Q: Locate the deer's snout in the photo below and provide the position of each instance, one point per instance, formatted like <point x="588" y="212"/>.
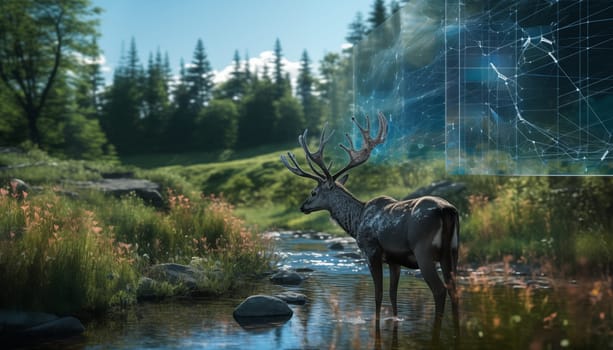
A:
<point x="304" y="209"/>
<point x="307" y="207"/>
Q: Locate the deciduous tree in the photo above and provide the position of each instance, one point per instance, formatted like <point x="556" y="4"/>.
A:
<point x="39" y="40"/>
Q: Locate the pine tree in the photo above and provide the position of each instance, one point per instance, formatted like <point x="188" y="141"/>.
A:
<point x="378" y="14"/>
<point x="266" y="73"/>
<point x="156" y="100"/>
<point x="133" y="70"/>
<point x="182" y="119"/>
<point x="200" y="78"/>
<point x="247" y="75"/>
<point x="357" y="29"/>
<point x="123" y="111"/>
<point x="167" y="73"/>
<point x="335" y="88"/>
<point x="234" y="88"/>
<point x="394" y="6"/>
<point x="278" y="70"/>
<point x="304" y="91"/>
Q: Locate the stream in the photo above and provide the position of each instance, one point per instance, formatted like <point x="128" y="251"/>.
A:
<point x="339" y="313"/>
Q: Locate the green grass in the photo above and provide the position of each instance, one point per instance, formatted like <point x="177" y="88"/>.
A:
<point x="87" y="253"/>
<point x="156" y="160"/>
<point x="563" y="220"/>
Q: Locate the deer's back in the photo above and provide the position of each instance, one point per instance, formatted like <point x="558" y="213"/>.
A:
<point x="396" y="226"/>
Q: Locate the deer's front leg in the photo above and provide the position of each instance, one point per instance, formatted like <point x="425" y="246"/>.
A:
<point x="394" y="278"/>
<point x="376" y="271"/>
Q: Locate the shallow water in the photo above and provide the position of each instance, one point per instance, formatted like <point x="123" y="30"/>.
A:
<point x="340" y="310"/>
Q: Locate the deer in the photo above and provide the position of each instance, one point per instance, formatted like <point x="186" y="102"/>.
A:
<point x="414" y="233"/>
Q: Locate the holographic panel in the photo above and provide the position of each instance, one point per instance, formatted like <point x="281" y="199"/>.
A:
<point x="399" y="70"/>
<point x="495" y="87"/>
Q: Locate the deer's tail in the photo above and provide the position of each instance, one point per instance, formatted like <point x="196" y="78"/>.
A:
<point x="449" y="245"/>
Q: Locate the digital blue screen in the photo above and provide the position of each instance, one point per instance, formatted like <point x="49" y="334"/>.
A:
<point x="494" y="87"/>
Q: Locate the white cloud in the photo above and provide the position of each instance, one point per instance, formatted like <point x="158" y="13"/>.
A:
<point x="104" y="66"/>
<point x="265" y="58"/>
<point x="100" y="60"/>
<point x="346" y="46"/>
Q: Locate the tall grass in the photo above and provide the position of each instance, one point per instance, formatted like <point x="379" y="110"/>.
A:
<point x="55" y="256"/>
<point x="62" y="255"/>
<point x="536" y="218"/>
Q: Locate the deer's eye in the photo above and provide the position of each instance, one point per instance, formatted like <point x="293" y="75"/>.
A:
<point x="313" y="193"/>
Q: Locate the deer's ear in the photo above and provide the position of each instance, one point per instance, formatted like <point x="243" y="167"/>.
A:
<point x="343" y="179"/>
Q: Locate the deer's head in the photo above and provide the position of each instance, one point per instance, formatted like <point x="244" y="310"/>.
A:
<point x="323" y="194"/>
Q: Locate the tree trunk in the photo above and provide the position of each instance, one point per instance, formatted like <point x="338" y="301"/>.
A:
<point x="34" y="134"/>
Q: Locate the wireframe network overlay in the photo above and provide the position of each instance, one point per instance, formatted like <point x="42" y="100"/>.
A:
<point x="494" y="87"/>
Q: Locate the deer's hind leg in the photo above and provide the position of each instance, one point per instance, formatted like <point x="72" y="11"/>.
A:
<point x="394" y="278"/>
<point x="425" y="260"/>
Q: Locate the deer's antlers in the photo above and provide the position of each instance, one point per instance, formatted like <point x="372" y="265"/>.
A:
<point x="356" y="157"/>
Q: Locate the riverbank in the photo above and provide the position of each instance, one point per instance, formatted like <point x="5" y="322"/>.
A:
<point x="339" y="311"/>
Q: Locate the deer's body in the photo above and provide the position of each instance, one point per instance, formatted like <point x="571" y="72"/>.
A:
<point x="397" y="228"/>
<point x="414" y="233"/>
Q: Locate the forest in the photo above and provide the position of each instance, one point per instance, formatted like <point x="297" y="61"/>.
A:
<point x="53" y="95"/>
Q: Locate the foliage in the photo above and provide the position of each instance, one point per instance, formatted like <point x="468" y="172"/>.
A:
<point x="217" y="126"/>
<point x="289" y="119"/>
<point x="84" y="139"/>
<point x="257" y="116"/>
<point x="39" y="42"/>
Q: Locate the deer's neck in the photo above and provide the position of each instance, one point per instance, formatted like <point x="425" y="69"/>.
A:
<point x="345" y="209"/>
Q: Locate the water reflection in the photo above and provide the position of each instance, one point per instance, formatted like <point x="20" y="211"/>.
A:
<point x="340" y="314"/>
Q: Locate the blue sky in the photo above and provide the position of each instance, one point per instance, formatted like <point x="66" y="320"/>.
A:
<point x="251" y="26"/>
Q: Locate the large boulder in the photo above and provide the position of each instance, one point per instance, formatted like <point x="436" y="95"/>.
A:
<point x="147" y="190"/>
<point x="37" y="324"/>
<point x="287" y="278"/>
<point x="262" y="309"/>
<point x="292" y="298"/>
<point x="62" y="327"/>
<point x="176" y="274"/>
